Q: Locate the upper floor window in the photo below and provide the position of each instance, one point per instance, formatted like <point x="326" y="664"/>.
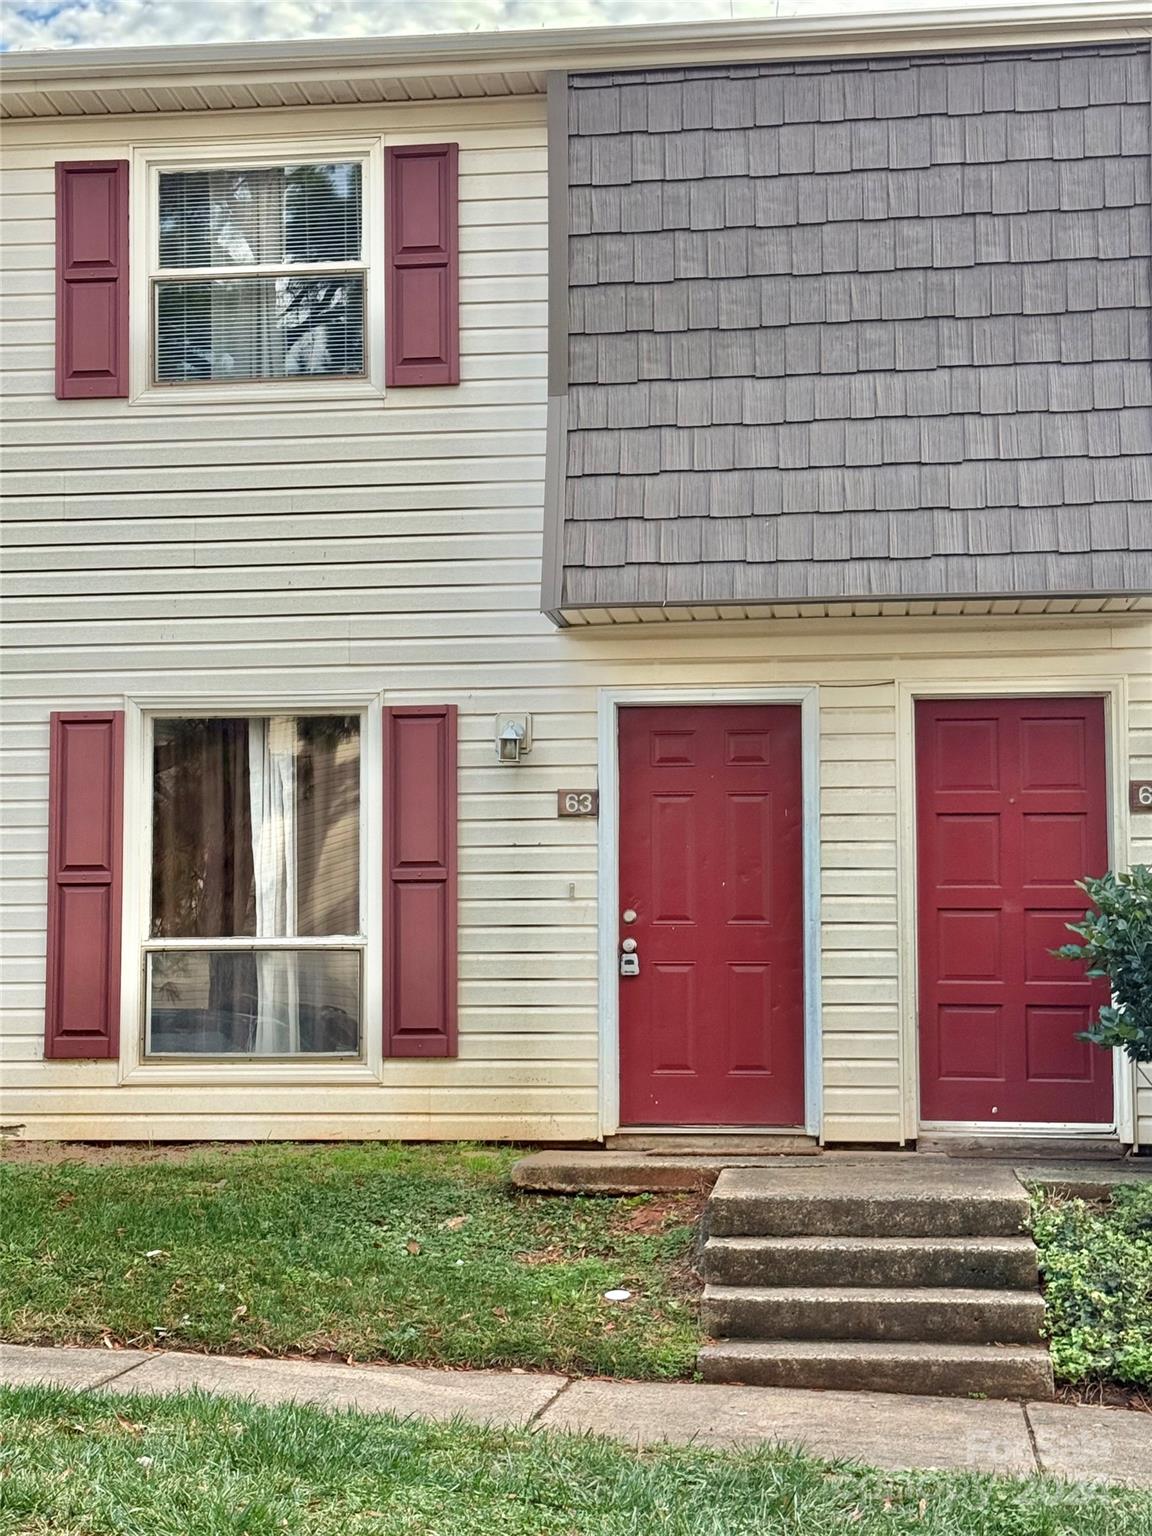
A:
<point x="259" y="273"/>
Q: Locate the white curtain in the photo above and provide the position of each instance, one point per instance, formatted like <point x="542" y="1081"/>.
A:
<point x="272" y="784"/>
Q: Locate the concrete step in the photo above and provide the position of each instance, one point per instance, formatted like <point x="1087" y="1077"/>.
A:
<point x="942" y="1370"/>
<point x="920" y="1313"/>
<point x="1003" y="1263"/>
<point x="943" y="1198"/>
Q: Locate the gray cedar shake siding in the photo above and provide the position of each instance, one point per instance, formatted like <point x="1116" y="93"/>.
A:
<point x="857" y="328"/>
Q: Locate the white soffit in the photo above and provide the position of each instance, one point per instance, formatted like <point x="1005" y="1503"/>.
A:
<point x="326" y="72"/>
<point x="877" y="608"/>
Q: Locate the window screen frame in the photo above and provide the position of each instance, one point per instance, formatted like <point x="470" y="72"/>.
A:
<point x="148" y="166"/>
<point x="137" y="1063"/>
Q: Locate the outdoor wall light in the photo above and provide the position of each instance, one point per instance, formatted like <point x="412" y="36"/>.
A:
<point x="513" y="737"/>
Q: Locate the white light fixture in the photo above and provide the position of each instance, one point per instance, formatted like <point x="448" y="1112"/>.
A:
<point x="513" y="737"/>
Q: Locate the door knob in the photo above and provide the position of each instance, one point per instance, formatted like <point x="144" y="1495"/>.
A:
<point x="629" y="946"/>
<point x="629" y="916"/>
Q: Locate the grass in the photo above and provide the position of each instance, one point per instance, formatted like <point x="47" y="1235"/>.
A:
<point x="75" y="1465"/>
<point x="366" y="1252"/>
<point x="424" y="1255"/>
<point x="1096" y="1260"/>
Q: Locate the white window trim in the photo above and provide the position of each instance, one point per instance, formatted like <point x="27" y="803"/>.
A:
<point x="134" y="1065"/>
<point x="144" y="227"/>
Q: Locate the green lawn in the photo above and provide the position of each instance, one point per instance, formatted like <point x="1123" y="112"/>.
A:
<point x="1096" y="1260"/>
<point x="424" y="1254"/>
<point x="367" y="1252"/>
<point x="75" y="1465"/>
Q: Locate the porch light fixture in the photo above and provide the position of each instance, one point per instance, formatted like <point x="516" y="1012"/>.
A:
<point x="513" y="737"/>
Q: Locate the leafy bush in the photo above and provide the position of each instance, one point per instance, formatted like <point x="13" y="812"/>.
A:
<point x="1096" y="1261"/>
<point x="1118" y="944"/>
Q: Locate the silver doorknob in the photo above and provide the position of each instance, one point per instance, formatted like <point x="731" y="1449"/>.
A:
<point x="629" y="916"/>
<point x="629" y="946"/>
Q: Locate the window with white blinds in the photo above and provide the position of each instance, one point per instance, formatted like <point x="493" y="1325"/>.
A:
<point x="259" y="274"/>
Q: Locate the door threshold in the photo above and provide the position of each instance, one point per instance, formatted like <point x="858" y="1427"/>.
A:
<point x="1020" y="1144"/>
<point x="1034" y="1128"/>
<point x="678" y="1141"/>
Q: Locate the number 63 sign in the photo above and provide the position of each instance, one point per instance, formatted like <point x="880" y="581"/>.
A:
<point x="1140" y="795"/>
<point x="577" y="802"/>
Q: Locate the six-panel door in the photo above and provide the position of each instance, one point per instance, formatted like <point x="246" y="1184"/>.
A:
<point x="711" y="891"/>
<point x="1011" y="812"/>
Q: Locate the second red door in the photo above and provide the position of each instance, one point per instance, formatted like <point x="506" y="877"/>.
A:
<point x="1012" y="811"/>
<point x="711" y="893"/>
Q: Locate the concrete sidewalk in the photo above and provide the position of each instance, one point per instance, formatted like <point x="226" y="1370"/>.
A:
<point x="880" y="1429"/>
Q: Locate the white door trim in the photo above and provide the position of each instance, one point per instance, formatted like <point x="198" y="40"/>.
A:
<point x="609" y="703"/>
<point x="1114" y="691"/>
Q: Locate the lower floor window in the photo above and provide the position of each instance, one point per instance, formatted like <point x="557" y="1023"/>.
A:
<point x="255" y="942"/>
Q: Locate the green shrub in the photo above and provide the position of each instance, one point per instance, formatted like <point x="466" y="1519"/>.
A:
<point x="1118" y="944"/>
<point x="1096" y="1261"/>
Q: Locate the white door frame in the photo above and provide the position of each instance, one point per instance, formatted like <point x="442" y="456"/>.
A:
<point x="1114" y="692"/>
<point x="610" y="702"/>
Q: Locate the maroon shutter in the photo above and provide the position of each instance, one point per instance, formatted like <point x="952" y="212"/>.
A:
<point x="85" y="821"/>
<point x="422" y="308"/>
<point x="91" y="279"/>
<point x="420" y="880"/>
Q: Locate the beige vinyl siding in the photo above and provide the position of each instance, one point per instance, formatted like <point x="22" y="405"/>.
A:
<point x="528" y="887"/>
<point x="208" y="551"/>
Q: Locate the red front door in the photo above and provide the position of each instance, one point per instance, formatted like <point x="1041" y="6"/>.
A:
<point x="711" y="890"/>
<point x="1012" y="798"/>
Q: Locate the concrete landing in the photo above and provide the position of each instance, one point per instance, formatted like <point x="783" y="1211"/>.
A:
<point x="631" y="1171"/>
<point x="1086" y="1181"/>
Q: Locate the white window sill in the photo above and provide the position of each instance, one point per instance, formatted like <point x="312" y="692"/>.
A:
<point x="268" y="395"/>
<point x="215" y="1073"/>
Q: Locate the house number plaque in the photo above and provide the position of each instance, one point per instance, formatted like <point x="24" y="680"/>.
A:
<point x="1140" y="795"/>
<point x="577" y="802"/>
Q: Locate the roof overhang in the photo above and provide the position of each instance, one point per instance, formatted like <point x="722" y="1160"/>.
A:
<point x="323" y="71"/>
<point x="1060" y="607"/>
